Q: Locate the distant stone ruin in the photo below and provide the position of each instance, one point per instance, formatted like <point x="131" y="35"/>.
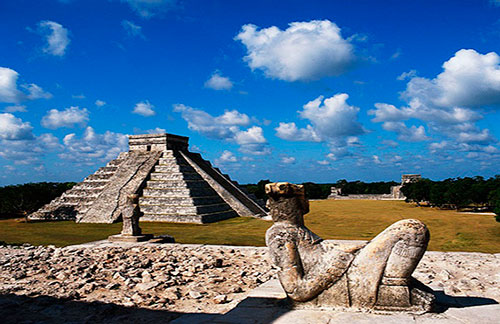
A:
<point x="395" y="194"/>
<point x="173" y="185"/>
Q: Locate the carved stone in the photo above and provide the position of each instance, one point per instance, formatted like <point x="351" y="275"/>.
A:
<point x="131" y="232"/>
<point x="314" y="273"/>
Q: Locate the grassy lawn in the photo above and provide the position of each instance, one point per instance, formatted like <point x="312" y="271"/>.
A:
<point x="341" y="219"/>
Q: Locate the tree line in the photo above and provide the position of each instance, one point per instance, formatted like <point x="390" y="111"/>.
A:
<point x="456" y="193"/>
<point x="22" y="200"/>
<point x="322" y="190"/>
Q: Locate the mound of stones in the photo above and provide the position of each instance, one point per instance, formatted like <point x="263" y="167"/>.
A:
<point x="172" y="278"/>
<point x="157" y="283"/>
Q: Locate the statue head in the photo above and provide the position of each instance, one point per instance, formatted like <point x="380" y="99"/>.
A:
<point x="287" y="202"/>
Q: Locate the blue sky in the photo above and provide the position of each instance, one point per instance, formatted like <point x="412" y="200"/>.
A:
<point x="281" y="90"/>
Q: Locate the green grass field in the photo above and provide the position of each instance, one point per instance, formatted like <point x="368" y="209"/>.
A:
<point x="331" y="219"/>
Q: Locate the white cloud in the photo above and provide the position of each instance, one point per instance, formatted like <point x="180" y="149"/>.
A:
<point x="8" y="86"/>
<point x="469" y="79"/>
<point x="132" y="29"/>
<point x="56" y="36"/>
<point x="323" y="162"/>
<point x="331" y="119"/>
<point x="226" y="127"/>
<point x="288" y="160"/>
<point x="290" y="132"/>
<point x="17" y="142"/>
<point x="376" y="159"/>
<point x="93" y="146"/>
<point x="407" y="134"/>
<point x="304" y="51"/>
<point x="449" y="102"/>
<point x="68" y="117"/>
<point x="100" y="103"/>
<point x="253" y="135"/>
<point x="36" y="92"/>
<point x="227" y="156"/>
<point x="218" y="82"/>
<point x="9" y="91"/>
<point x="156" y="130"/>
<point x="13" y="128"/>
<point x="15" y="108"/>
<point x="407" y="75"/>
<point x="150" y="8"/>
<point x="144" y="108"/>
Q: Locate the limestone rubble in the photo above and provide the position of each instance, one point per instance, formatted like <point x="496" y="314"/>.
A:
<point x="161" y="281"/>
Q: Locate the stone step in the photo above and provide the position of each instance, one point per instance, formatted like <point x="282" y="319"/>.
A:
<point x="168" y="153"/>
<point x="114" y="163"/>
<point x="163" y="184"/>
<point x="99" y="176"/>
<point x="178" y="192"/>
<point x="184" y="210"/>
<point x="175" y="176"/>
<point x="106" y="169"/>
<point x="185" y="201"/>
<point x="76" y="199"/>
<point x="91" y="184"/>
<point x="83" y="192"/>
<point x="198" y="219"/>
<point x="173" y="168"/>
<point x="172" y="160"/>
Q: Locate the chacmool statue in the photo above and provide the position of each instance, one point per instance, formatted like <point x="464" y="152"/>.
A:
<point x="317" y="274"/>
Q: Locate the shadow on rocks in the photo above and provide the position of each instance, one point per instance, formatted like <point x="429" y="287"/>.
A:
<point x="45" y="309"/>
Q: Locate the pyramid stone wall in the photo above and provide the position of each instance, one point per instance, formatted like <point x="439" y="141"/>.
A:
<point x="174" y="185"/>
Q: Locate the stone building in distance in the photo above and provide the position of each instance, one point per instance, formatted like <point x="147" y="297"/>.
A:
<point x="174" y="185"/>
<point x="395" y="194"/>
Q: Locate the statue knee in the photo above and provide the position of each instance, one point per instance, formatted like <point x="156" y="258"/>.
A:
<point x="412" y="231"/>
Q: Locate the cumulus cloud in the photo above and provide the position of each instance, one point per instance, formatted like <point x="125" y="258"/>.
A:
<point x="227" y="156"/>
<point x="92" y="147"/>
<point x="132" y="29"/>
<point x="150" y="8"/>
<point x="144" y="108"/>
<point x="68" y="117"/>
<point x="100" y="103"/>
<point x="408" y="134"/>
<point x="331" y="120"/>
<point x="304" y="51"/>
<point x="17" y="142"/>
<point x="218" y="82"/>
<point x="450" y="103"/>
<point x="156" y="130"/>
<point x="226" y="127"/>
<point x="57" y="37"/>
<point x="10" y="93"/>
<point x="13" y="128"/>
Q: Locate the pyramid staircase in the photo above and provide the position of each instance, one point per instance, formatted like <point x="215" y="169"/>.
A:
<point x="75" y="202"/>
<point x="174" y="185"/>
<point x="177" y="193"/>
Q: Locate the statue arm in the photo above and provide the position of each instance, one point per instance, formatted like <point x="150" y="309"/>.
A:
<point x="299" y="286"/>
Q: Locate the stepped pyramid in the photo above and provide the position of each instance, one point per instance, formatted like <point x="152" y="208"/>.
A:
<point x="174" y="185"/>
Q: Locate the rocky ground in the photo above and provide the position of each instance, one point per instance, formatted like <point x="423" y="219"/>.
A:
<point x="148" y="283"/>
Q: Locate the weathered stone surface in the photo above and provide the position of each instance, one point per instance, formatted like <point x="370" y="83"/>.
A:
<point x="174" y="185"/>
<point x="315" y="274"/>
<point x="31" y="293"/>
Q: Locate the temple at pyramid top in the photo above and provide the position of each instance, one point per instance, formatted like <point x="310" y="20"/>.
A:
<point x="157" y="142"/>
<point x="174" y="185"/>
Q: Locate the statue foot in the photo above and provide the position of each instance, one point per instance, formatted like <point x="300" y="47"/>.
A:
<point x="415" y="298"/>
